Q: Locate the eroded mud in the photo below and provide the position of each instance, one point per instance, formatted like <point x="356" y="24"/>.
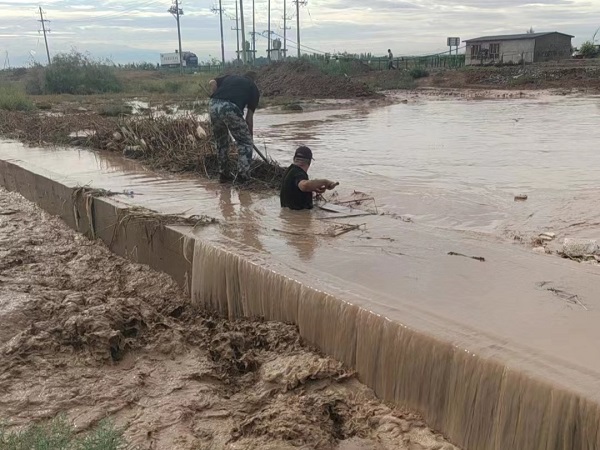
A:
<point x="91" y="335"/>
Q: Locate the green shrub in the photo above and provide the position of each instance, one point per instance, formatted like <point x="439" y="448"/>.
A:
<point x="173" y="87"/>
<point x="58" y="434"/>
<point x="73" y="73"/>
<point x="418" y="72"/>
<point x="13" y="99"/>
<point x="588" y="50"/>
<point x="35" y="80"/>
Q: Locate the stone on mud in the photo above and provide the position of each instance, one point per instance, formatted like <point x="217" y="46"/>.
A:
<point x="577" y="248"/>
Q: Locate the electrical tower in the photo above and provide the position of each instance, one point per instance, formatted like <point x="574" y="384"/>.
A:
<point x="298" y="4"/>
<point x="219" y="10"/>
<point x="176" y="11"/>
<point x="6" y="61"/>
<point x="43" y="22"/>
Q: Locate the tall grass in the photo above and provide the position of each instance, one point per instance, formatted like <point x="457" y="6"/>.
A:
<point x="58" y="434"/>
<point x="73" y="73"/>
<point x="14" y="99"/>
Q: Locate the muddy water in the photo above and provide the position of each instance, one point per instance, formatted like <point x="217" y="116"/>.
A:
<point x="459" y="164"/>
<point x="534" y="314"/>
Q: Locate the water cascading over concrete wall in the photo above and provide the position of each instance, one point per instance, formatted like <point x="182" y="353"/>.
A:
<point x="479" y="404"/>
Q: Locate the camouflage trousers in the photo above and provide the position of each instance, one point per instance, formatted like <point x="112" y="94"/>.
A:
<point x="225" y="118"/>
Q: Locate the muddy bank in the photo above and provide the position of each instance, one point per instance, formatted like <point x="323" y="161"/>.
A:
<point x="175" y="144"/>
<point x="91" y="335"/>
<point x="582" y="75"/>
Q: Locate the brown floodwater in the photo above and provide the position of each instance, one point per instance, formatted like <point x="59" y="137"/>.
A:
<point x="453" y="168"/>
<point x="459" y="164"/>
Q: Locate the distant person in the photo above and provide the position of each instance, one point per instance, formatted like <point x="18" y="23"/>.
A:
<point x="230" y="95"/>
<point x="296" y="189"/>
<point x="390" y="60"/>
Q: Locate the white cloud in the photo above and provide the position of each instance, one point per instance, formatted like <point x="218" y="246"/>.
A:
<point x="141" y="29"/>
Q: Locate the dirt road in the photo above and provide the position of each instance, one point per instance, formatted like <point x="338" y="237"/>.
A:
<point x="91" y="335"/>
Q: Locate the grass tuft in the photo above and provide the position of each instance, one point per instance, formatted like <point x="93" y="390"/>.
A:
<point x="13" y="99"/>
<point x="59" y="434"/>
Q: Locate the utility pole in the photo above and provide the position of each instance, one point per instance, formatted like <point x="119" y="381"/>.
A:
<point x="285" y="28"/>
<point x="222" y="40"/>
<point x="253" y="34"/>
<point x="237" y="29"/>
<point x="298" y="3"/>
<point x="219" y="10"/>
<point x="43" y="21"/>
<point x="243" y="31"/>
<point x="176" y="11"/>
<point x="269" y="31"/>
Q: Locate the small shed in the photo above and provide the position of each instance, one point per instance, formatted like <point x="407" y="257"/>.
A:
<point x="518" y="48"/>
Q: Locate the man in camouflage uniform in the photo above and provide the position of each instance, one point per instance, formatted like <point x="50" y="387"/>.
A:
<point x="230" y="96"/>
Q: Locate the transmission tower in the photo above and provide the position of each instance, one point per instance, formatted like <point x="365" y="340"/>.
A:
<point x="219" y="10"/>
<point x="6" y="61"/>
<point x="176" y="11"/>
<point x="298" y="4"/>
<point x="43" y="22"/>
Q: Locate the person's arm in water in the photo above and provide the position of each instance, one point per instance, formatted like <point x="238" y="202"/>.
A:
<point x="252" y="105"/>
<point x="316" y="185"/>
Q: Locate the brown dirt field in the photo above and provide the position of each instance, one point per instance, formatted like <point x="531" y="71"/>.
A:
<point x="91" y="335"/>
<point x="574" y="75"/>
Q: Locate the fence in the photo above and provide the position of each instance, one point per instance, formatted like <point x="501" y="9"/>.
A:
<point x="376" y="63"/>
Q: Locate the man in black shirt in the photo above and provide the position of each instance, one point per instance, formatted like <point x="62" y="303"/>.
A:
<point x="230" y="95"/>
<point x="296" y="189"/>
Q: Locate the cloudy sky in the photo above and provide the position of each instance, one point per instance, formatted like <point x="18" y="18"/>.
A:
<point x="138" y="30"/>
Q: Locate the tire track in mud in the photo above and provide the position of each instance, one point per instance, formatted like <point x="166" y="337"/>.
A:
<point x="91" y="335"/>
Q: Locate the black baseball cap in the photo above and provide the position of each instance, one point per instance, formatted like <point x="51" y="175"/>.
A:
<point x="304" y="153"/>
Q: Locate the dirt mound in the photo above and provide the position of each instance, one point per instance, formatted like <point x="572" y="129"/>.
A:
<point x="535" y="77"/>
<point x="302" y="79"/>
<point x="90" y="335"/>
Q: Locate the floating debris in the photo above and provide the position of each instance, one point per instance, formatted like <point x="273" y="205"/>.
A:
<point x="548" y="236"/>
<point x="477" y="258"/>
